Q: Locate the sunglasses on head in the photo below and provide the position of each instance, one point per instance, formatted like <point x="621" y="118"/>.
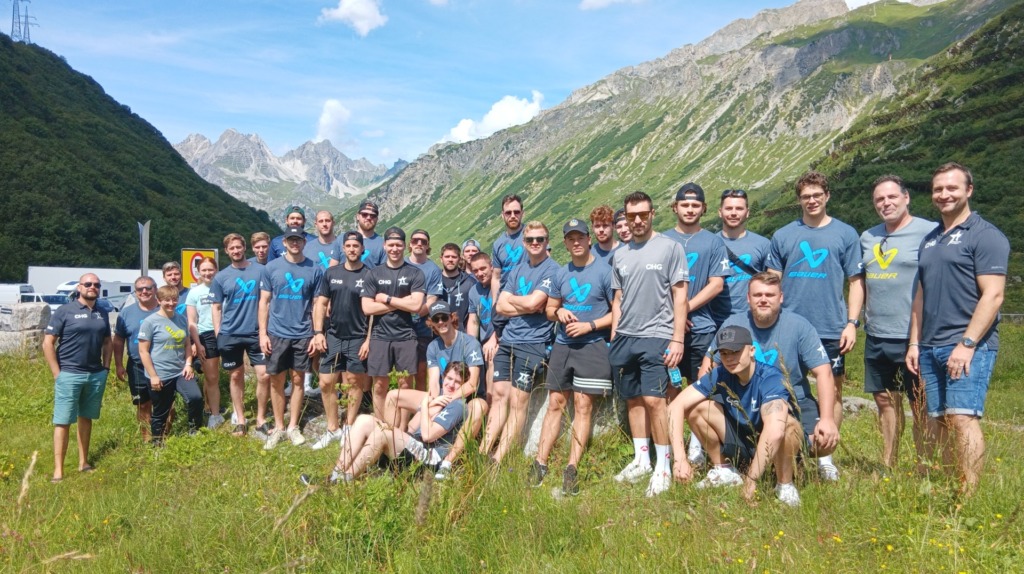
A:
<point x="540" y="239"/>
<point x="88" y="284"/>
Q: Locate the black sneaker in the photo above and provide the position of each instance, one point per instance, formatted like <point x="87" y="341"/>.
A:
<point x="570" y="485"/>
<point x="537" y="473"/>
<point x="263" y="431"/>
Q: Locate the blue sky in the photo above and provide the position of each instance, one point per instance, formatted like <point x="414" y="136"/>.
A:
<point x="382" y="79"/>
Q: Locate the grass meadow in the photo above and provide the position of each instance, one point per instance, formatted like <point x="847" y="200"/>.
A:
<point x="216" y="503"/>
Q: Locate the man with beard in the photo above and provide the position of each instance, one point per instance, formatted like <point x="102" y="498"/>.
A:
<point x="373" y="245"/>
<point x="507" y="251"/>
<point x="419" y="257"/>
<point x="456" y="283"/>
<point x="604" y="240"/>
<point x="295" y="217"/>
<point x="747" y="250"/>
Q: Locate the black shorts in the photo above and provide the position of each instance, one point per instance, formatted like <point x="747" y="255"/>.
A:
<point x="640" y="364"/>
<point x="580" y="367"/>
<point x="342" y="356"/>
<point x="838" y="360"/>
<point x="806" y="411"/>
<point x="232" y="348"/>
<point x="695" y="346"/>
<point x="740" y="443"/>
<point x="421" y="349"/>
<point x="209" y="342"/>
<point x="138" y="382"/>
<point x="885" y="368"/>
<point x="521" y="364"/>
<point x="387" y="354"/>
<point x="288" y="354"/>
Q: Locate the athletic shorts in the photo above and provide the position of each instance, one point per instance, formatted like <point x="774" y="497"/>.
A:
<point x="138" y="382"/>
<point x="806" y="411"/>
<point x="885" y="368"/>
<point x="342" y="356"/>
<point x="78" y="395"/>
<point x="387" y="354"/>
<point x="838" y="361"/>
<point x="740" y="444"/>
<point x="695" y="346"/>
<point x="963" y="396"/>
<point x="580" y="367"/>
<point x="209" y="342"/>
<point x="421" y="349"/>
<point x="522" y="364"/>
<point x="233" y="347"/>
<point x="640" y="364"/>
<point x="288" y="354"/>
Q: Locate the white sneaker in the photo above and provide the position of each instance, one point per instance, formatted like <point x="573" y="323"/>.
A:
<point x="416" y="449"/>
<point x="273" y="439"/>
<point x="696" y="459"/>
<point x="633" y="472"/>
<point x="311" y="391"/>
<point x="721" y="476"/>
<point x="660" y="482"/>
<point x="327" y="438"/>
<point x="444" y="471"/>
<point x="295" y="435"/>
<point x="234" y="418"/>
<point x="214" y="421"/>
<point x="288" y="389"/>
<point x="788" y="494"/>
<point x="829" y="472"/>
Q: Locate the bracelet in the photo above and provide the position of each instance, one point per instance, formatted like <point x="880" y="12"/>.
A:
<point x="913" y="345"/>
<point x="388" y="300"/>
<point x="674" y="341"/>
<point x="593" y="326"/>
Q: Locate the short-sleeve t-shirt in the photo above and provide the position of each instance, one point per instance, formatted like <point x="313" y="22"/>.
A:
<point x="604" y="256"/>
<point x="481" y="304"/>
<point x="587" y="293"/>
<point x="464" y="349"/>
<point x="645" y="273"/>
<point x="277" y="249"/>
<point x="80" y="332"/>
<point x="742" y="403"/>
<point x="291" y="287"/>
<point x="182" y="298"/>
<point x="237" y="291"/>
<point x="321" y="253"/>
<point x="396" y="282"/>
<point x="450" y="417"/>
<point x="456" y="292"/>
<point x="167" y="338"/>
<point x="791" y="344"/>
<point x="344" y="288"/>
<point x="705" y="258"/>
<point x="949" y="266"/>
<point x="752" y="249"/>
<point x="815" y="262"/>
<point x="435" y="288"/>
<point x="507" y="253"/>
<point x="200" y="298"/>
<point x="523" y="280"/>
<point x="373" y="251"/>
<point x="127" y="327"/>
<point x="890" y="276"/>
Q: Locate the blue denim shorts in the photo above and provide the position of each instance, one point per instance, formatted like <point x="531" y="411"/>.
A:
<point x="963" y="396"/>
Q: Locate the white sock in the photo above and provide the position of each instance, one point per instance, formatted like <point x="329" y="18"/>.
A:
<point x="693" y="451"/>
<point x="822" y="461"/>
<point x="641" y="452"/>
<point x="663" y="454"/>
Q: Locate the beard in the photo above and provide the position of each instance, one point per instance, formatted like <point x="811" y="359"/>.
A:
<point x="765" y="316"/>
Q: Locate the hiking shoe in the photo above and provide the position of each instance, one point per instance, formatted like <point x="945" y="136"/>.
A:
<point x="264" y="430"/>
<point x="275" y="437"/>
<point x="537" y="473"/>
<point x="788" y="495"/>
<point x="416" y="449"/>
<point x="660" y="482"/>
<point x="444" y="471"/>
<point x="721" y="476"/>
<point x="214" y="421"/>
<point x="829" y="472"/>
<point x="570" y="484"/>
<point x="295" y="435"/>
<point x="633" y="472"/>
<point x="327" y="438"/>
<point x="311" y="391"/>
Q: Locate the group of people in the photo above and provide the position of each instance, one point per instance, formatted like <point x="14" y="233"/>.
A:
<point x="717" y="332"/>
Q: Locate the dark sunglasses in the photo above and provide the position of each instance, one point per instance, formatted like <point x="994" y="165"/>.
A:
<point x="147" y="288"/>
<point x="540" y="239"/>
<point x="643" y="215"/>
<point x="734" y="193"/>
<point x="419" y="241"/>
<point x="441" y="318"/>
<point x="368" y="215"/>
<point x="510" y="212"/>
<point x="88" y="284"/>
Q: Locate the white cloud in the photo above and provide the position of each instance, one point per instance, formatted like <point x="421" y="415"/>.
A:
<point x="851" y="4"/>
<point x="599" y="4"/>
<point x="361" y="15"/>
<point x="331" y="125"/>
<point x="506" y="112"/>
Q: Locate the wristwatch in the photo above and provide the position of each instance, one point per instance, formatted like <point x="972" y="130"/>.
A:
<point x="317" y="332"/>
<point x="968" y="342"/>
<point x="854" y="322"/>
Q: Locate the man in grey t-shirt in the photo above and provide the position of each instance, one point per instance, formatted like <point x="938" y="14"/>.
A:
<point x="649" y="281"/>
<point x="890" y="265"/>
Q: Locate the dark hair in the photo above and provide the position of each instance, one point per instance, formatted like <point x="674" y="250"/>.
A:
<point x="952" y="165"/>
<point x="451" y="247"/>
<point x="637" y="197"/>
<point x="480" y="256"/>
<point x="887" y="178"/>
<point x="812" y="178"/>
<point x="509" y="199"/>
<point x="456" y="365"/>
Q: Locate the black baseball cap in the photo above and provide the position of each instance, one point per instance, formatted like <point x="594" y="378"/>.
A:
<point x="295" y="232"/>
<point x="620" y="215"/>
<point x="575" y="225"/>
<point x="296" y="209"/>
<point x="441" y="306"/>
<point x="421" y="232"/>
<point x="352" y="235"/>
<point x="690" y="190"/>
<point x="733" y="338"/>
<point x="394" y="233"/>
<point x="369" y="206"/>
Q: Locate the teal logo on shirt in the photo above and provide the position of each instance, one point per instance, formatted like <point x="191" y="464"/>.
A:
<point x="814" y="258"/>
<point x="579" y="292"/>
<point x="295" y="284"/>
<point x="524" y="286"/>
<point x="769" y="358"/>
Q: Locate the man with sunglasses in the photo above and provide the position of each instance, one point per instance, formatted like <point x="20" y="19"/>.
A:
<point x="747" y="251"/>
<point x="126" y="332"/>
<point x="523" y="346"/>
<point x="578" y="368"/>
<point x="890" y="264"/>
<point x="649" y="280"/>
<point x="79" y="365"/>
<point x="815" y="255"/>
<point x="507" y="251"/>
<point x="296" y="217"/>
<point x="373" y="244"/>
<point x="419" y="257"/>
<point x="235" y="315"/>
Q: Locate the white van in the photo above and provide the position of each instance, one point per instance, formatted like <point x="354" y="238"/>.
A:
<point x="10" y="293"/>
<point x="53" y="301"/>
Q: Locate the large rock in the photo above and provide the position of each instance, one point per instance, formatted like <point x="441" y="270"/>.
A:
<point x="30" y="316"/>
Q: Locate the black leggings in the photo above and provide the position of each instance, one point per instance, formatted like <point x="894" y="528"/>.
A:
<point x="164" y="399"/>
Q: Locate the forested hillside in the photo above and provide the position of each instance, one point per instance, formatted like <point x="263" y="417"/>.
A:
<point x="78" y="170"/>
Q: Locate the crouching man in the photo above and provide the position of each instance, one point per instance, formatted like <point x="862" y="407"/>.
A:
<point x="741" y="413"/>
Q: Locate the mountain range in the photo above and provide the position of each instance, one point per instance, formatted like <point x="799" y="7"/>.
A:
<point x="315" y="175"/>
